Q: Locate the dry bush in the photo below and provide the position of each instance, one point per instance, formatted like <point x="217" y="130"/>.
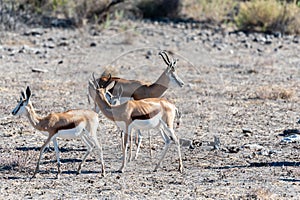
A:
<point x="207" y="10"/>
<point x="274" y="93"/>
<point x="255" y="15"/>
<point x="269" y="16"/>
<point x="154" y="9"/>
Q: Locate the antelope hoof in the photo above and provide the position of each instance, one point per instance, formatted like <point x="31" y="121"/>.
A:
<point x="57" y="176"/>
<point x="78" y="170"/>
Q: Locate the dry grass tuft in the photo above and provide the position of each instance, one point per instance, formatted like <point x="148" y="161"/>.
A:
<point x="206" y="10"/>
<point x="262" y="194"/>
<point x="16" y="162"/>
<point x="154" y="9"/>
<point x="274" y="93"/>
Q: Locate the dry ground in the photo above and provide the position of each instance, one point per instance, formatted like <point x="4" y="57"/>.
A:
<point x="244" y="89"/>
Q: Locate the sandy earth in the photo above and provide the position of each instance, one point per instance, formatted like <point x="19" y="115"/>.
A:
<point x="242" y="89"/>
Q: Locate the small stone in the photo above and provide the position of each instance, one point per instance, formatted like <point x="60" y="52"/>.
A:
<point x="268" y="42"/>
<point x="245" y="130"/>
<point x="255" y="147"/>
<point x="259" y="50"/>
<point x="33" y="32"/>
<point x="93" y="44"/>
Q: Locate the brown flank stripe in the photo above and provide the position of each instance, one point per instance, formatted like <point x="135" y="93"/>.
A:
<point x="66" y="127"/>
<point x="146" y="116"/>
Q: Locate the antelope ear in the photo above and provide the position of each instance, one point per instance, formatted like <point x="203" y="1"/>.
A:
<point x="28" y="93"/>
<point x="23" y="95"/>
<point x="110" y="86"/>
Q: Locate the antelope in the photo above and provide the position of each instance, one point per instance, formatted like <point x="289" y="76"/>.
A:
<point x="133" y="89"/>
<point x="71" y="124"/>
<point x="140" y="114"/>
<point x="140" y="90"/>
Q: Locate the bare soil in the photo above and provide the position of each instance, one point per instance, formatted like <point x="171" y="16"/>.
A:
<point x="241" y="88"/>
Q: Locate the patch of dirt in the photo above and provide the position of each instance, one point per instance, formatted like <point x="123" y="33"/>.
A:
<point x="243" y="89"/>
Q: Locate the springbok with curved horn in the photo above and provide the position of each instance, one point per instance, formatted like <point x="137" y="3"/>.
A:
<point x="71" y="124"/>
<point x="140" y="114"/>
<point x="140" y="90"/>
<point x="133" y="89"/>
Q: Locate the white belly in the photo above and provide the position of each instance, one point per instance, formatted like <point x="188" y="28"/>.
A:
<point x="69" y="133"/>
<point x="145" y="124"/>
<point x="141" y="124"/>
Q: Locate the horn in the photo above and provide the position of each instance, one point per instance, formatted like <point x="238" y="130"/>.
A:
<point x="166" y="58"/>
<point x="95" y="83"/>
<point x="91" y="83"/>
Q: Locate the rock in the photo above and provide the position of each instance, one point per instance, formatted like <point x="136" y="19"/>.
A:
<point x="49" y="45"/>
<point x="259" y="50"/>
<point x="63" y="43"/>
<point x="289" y="132"/>
<point x="34" y="32"/>
<point x="261" y="39"/>
<point x="255" y="147"/>
<point x="268" y="42"/>
<point x="231" y="149"/>
<point x="277" y="34"/>
<point x="291" y="139"/>
<point x="39" y="70"/>
<point x="93" y="44"/>
<point x="296" y="40"/>
<point x="245" y="130"/>
<point x="186" y="143"/>
<point x="247" y="45"/>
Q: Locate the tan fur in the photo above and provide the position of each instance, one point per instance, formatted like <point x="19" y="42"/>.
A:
<point x="69" y="124"/>
<point x="123" y="113"/>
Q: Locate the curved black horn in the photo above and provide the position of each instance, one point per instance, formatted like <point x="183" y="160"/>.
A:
<point x="165" y="58"/>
